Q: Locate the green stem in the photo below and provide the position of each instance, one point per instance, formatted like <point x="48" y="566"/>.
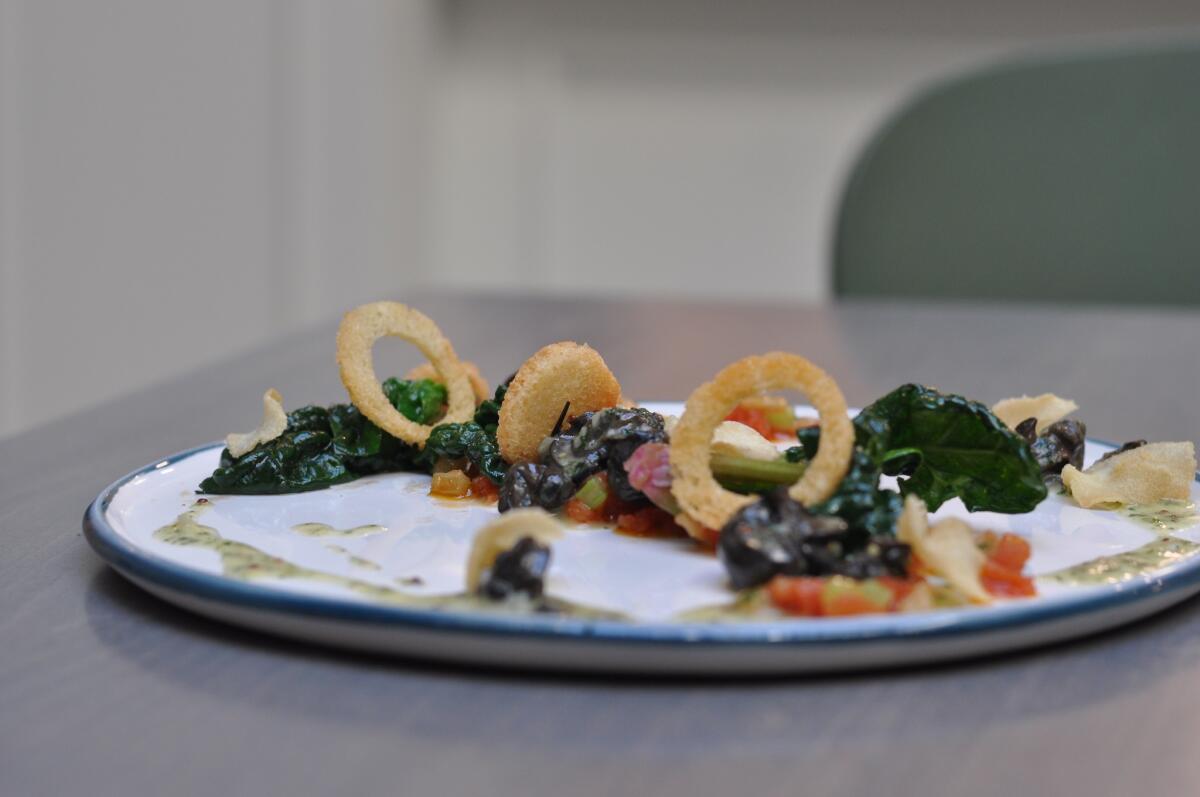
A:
<point x="743" y="469"/>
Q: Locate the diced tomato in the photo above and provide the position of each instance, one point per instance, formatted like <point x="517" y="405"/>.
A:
<point x="1024" y="588"/>
<point x="844" y="596"/>
<point x="1005" y="582"/>
<point x="484" y="489"/>
<point x="580" y="512"/>
<point x="708" y="538"/>
<point x="900" y="588"/>
<point x="1011" y="552"/>
<point x="755" y="419"/>
<point x="636" y="522"/>
<point x="1001" y="571"/>
<point x="797" y="594"/>
<point x="836" y="596"/>
<point x="613" y="506"/>
<point x="649" y="522"/>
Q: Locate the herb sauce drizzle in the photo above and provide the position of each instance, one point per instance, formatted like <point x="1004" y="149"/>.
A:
<point x="325" y="530"/>
<point x="247" y="563"/>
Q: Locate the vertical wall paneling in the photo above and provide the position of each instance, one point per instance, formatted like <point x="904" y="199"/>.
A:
<point x="298" y="158"/>
<point x="11" y="366"/>
<point x="183" y="181"/>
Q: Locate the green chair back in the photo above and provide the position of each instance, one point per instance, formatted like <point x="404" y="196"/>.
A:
<point x="1067" y="178"/>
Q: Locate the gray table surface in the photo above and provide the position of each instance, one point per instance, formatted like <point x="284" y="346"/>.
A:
<point x="105" y="690"/>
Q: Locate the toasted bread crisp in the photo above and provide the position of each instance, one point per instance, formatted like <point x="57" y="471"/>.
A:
<point x="356" y="336"/>
<point x="274" y="423"/>
<point x="1047" y="408"/>
<point x="739" y="440"/>
<point x="1143" y="475"/>
<point x="693" y="484"/>
<point x="478" y="384"/>
<point x="948" y="548"/>
<point x="556" y="374"/>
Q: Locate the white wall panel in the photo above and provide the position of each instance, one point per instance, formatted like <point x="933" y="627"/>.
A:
<point x="185" y="180"/>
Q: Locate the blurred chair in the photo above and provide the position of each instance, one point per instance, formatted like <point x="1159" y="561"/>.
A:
<point x="1074" y="177"/>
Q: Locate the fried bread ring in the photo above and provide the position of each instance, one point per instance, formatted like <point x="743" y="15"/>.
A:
<point x="359" y="330"/>
<point x="693" y="485"/>
<point x="554" y="375"/>
<point x="478" y="383"/>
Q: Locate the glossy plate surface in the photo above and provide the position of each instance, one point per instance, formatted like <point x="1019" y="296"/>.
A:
<point x="348" y="588"/>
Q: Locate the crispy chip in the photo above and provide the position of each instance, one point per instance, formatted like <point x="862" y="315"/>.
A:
<point x="1141" y="475"/>
<point x="478" y="384"/>
<point x="274" y="423"/>
<point x="739" y="440"/>
<point x="693" y="484"/>
<point x="1047" y="408"/>
<point x="948" y="549"/>
<point x="359" y="330"/>
<point x="544" y="383"/>
<point x="502" y="534"/>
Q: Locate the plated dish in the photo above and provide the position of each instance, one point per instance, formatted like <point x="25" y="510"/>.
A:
<point x="554" y="522"/>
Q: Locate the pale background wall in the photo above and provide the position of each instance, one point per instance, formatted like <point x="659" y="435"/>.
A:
<point x="183" y="180"/>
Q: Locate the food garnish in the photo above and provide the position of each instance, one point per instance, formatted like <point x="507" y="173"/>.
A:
<point x="559" y="373"/>
<point x="945" y="446"/>
<point x="595" y="442"/>
<point x="501" y="535"/>
<point x="450" y="484"/>
<point x="1046" y="408"/>
<point x="324" y="446"/>
<point x="531" y="484"/>
<point x="602" y="441"/>
<point x="773" y="417"/>
<point x="1061" y="443"/>
<point x="470" y="441"/>
<point x="649" y="471"/>
<point x="859" y="500"/>
<point x="776" y="535"/>
<point x="736" y="439"/>
<point x="1141" y="475"/>
<point x="693" y="484"/>
<point x="478" y="384"/>
<point x="360" y="329"/>
<point x="948" y="548"/>
<point x="273" y="424"/>
<point x="1129" y="446"/>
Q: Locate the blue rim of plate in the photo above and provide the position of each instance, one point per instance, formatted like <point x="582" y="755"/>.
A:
<point x="130" y="560"/>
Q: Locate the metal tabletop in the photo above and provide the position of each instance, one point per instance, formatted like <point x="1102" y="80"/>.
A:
<point x="106" y="690"/>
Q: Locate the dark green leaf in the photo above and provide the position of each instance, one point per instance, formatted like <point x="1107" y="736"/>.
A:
<point x="291" y="463"/>
<point x="466" y="441"/>
<point x="487" y="414"/>
<point x="946" y="446"/>
<point x="323" y="447"/>
<point x="308" y="419"/>
<point x="858" y="500"/>
<point x="421" y="401"/>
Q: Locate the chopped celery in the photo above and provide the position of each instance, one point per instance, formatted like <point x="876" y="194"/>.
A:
<point x="593" y="493"/>
<point x="782" y="418"/>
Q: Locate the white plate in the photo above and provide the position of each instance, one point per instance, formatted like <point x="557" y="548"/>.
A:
<point x="650" y="581"/>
